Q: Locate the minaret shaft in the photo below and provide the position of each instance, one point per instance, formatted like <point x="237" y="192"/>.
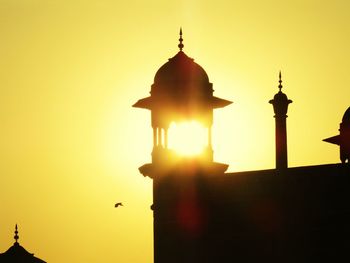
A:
<point x="281" y="142"/>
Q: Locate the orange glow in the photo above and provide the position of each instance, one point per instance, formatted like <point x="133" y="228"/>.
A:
<point x="71" y="143"/>
<point x="187" y="138"/>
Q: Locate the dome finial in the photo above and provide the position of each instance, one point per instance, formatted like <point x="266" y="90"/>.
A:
<point x="181" y="46"/>
<point x="280" y="81"/>
<point x="16" y="234"/>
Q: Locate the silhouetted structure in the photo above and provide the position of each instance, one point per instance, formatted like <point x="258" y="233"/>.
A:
<point x="202" y="214"/>
<point x="280" y="107"/>
<point x="18" y="254"/>
<point x="181" y="91"/>
<point x="343" y="139"/>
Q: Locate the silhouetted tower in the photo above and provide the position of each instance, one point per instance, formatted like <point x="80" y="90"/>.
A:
<point x="280" y="104"/>
<point x="343" y="139"/>
<point x="181" y="92"/>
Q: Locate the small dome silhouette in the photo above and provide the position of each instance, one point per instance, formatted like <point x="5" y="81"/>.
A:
<point x="181" y="75"/>
<point x="17" y="253"/>
<point x="280" y="101"/>
<point x="280" y="96"/>
<point x="346" y="116"/>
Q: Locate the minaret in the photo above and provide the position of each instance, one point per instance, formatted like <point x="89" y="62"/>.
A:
<point x="280" y="104"/>
<point x="181" y="92"/>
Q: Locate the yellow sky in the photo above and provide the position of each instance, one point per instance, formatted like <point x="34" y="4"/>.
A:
<point x="71" y="143"/>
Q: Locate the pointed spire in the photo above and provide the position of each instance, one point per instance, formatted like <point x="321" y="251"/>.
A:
<point x="280" y="81"/>
<point x="181" y="46"/>
<point x="16" y="234"/>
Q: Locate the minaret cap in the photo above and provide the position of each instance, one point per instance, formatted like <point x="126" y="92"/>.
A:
<point x="180" y="45"/>
<point x="280" y="82"/>
<point x="280" y="101"/>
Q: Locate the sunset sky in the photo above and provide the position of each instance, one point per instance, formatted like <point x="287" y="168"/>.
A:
<point x="71" y="143"/>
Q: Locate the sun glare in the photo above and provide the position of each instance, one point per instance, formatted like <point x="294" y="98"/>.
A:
<point x="187" y="138"/>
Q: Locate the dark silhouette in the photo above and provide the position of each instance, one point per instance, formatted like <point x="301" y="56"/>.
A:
<point x="202" y="214"/>
<point x="280" y="107"/>
<point x="343" y="139"/>
<point x="181" y="91"/>
<point x="118" y="204"/>
<point x="17" y="254"/>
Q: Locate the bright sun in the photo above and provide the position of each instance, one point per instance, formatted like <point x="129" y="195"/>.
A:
<point x="187" y="138"/>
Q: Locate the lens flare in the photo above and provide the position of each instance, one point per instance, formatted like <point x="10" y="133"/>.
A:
<point x="187" y="138"/>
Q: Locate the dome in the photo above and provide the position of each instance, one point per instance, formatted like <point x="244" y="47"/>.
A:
<point x="346" y="116"/>
<point x="17" y="253"/>
<point x="280" y="96"/>
<point x="181" y="68"/>
<point x="181" y="76"/>
<point x="280" y="101"/>
<point x="181" y="84"/>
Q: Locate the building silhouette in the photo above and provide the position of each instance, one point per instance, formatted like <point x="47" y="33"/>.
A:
<point x="343" y="138"/>
<point x="203" y="214"/>
<point x="18" y="254"/>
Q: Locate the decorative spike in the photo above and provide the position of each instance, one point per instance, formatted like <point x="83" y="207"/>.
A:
<point x="280" y="81"/>
<point x="16" y="234"/>
<point x="181" y="46"/>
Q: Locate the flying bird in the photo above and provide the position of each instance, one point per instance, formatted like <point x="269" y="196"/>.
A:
<point x="118" y="204"/>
